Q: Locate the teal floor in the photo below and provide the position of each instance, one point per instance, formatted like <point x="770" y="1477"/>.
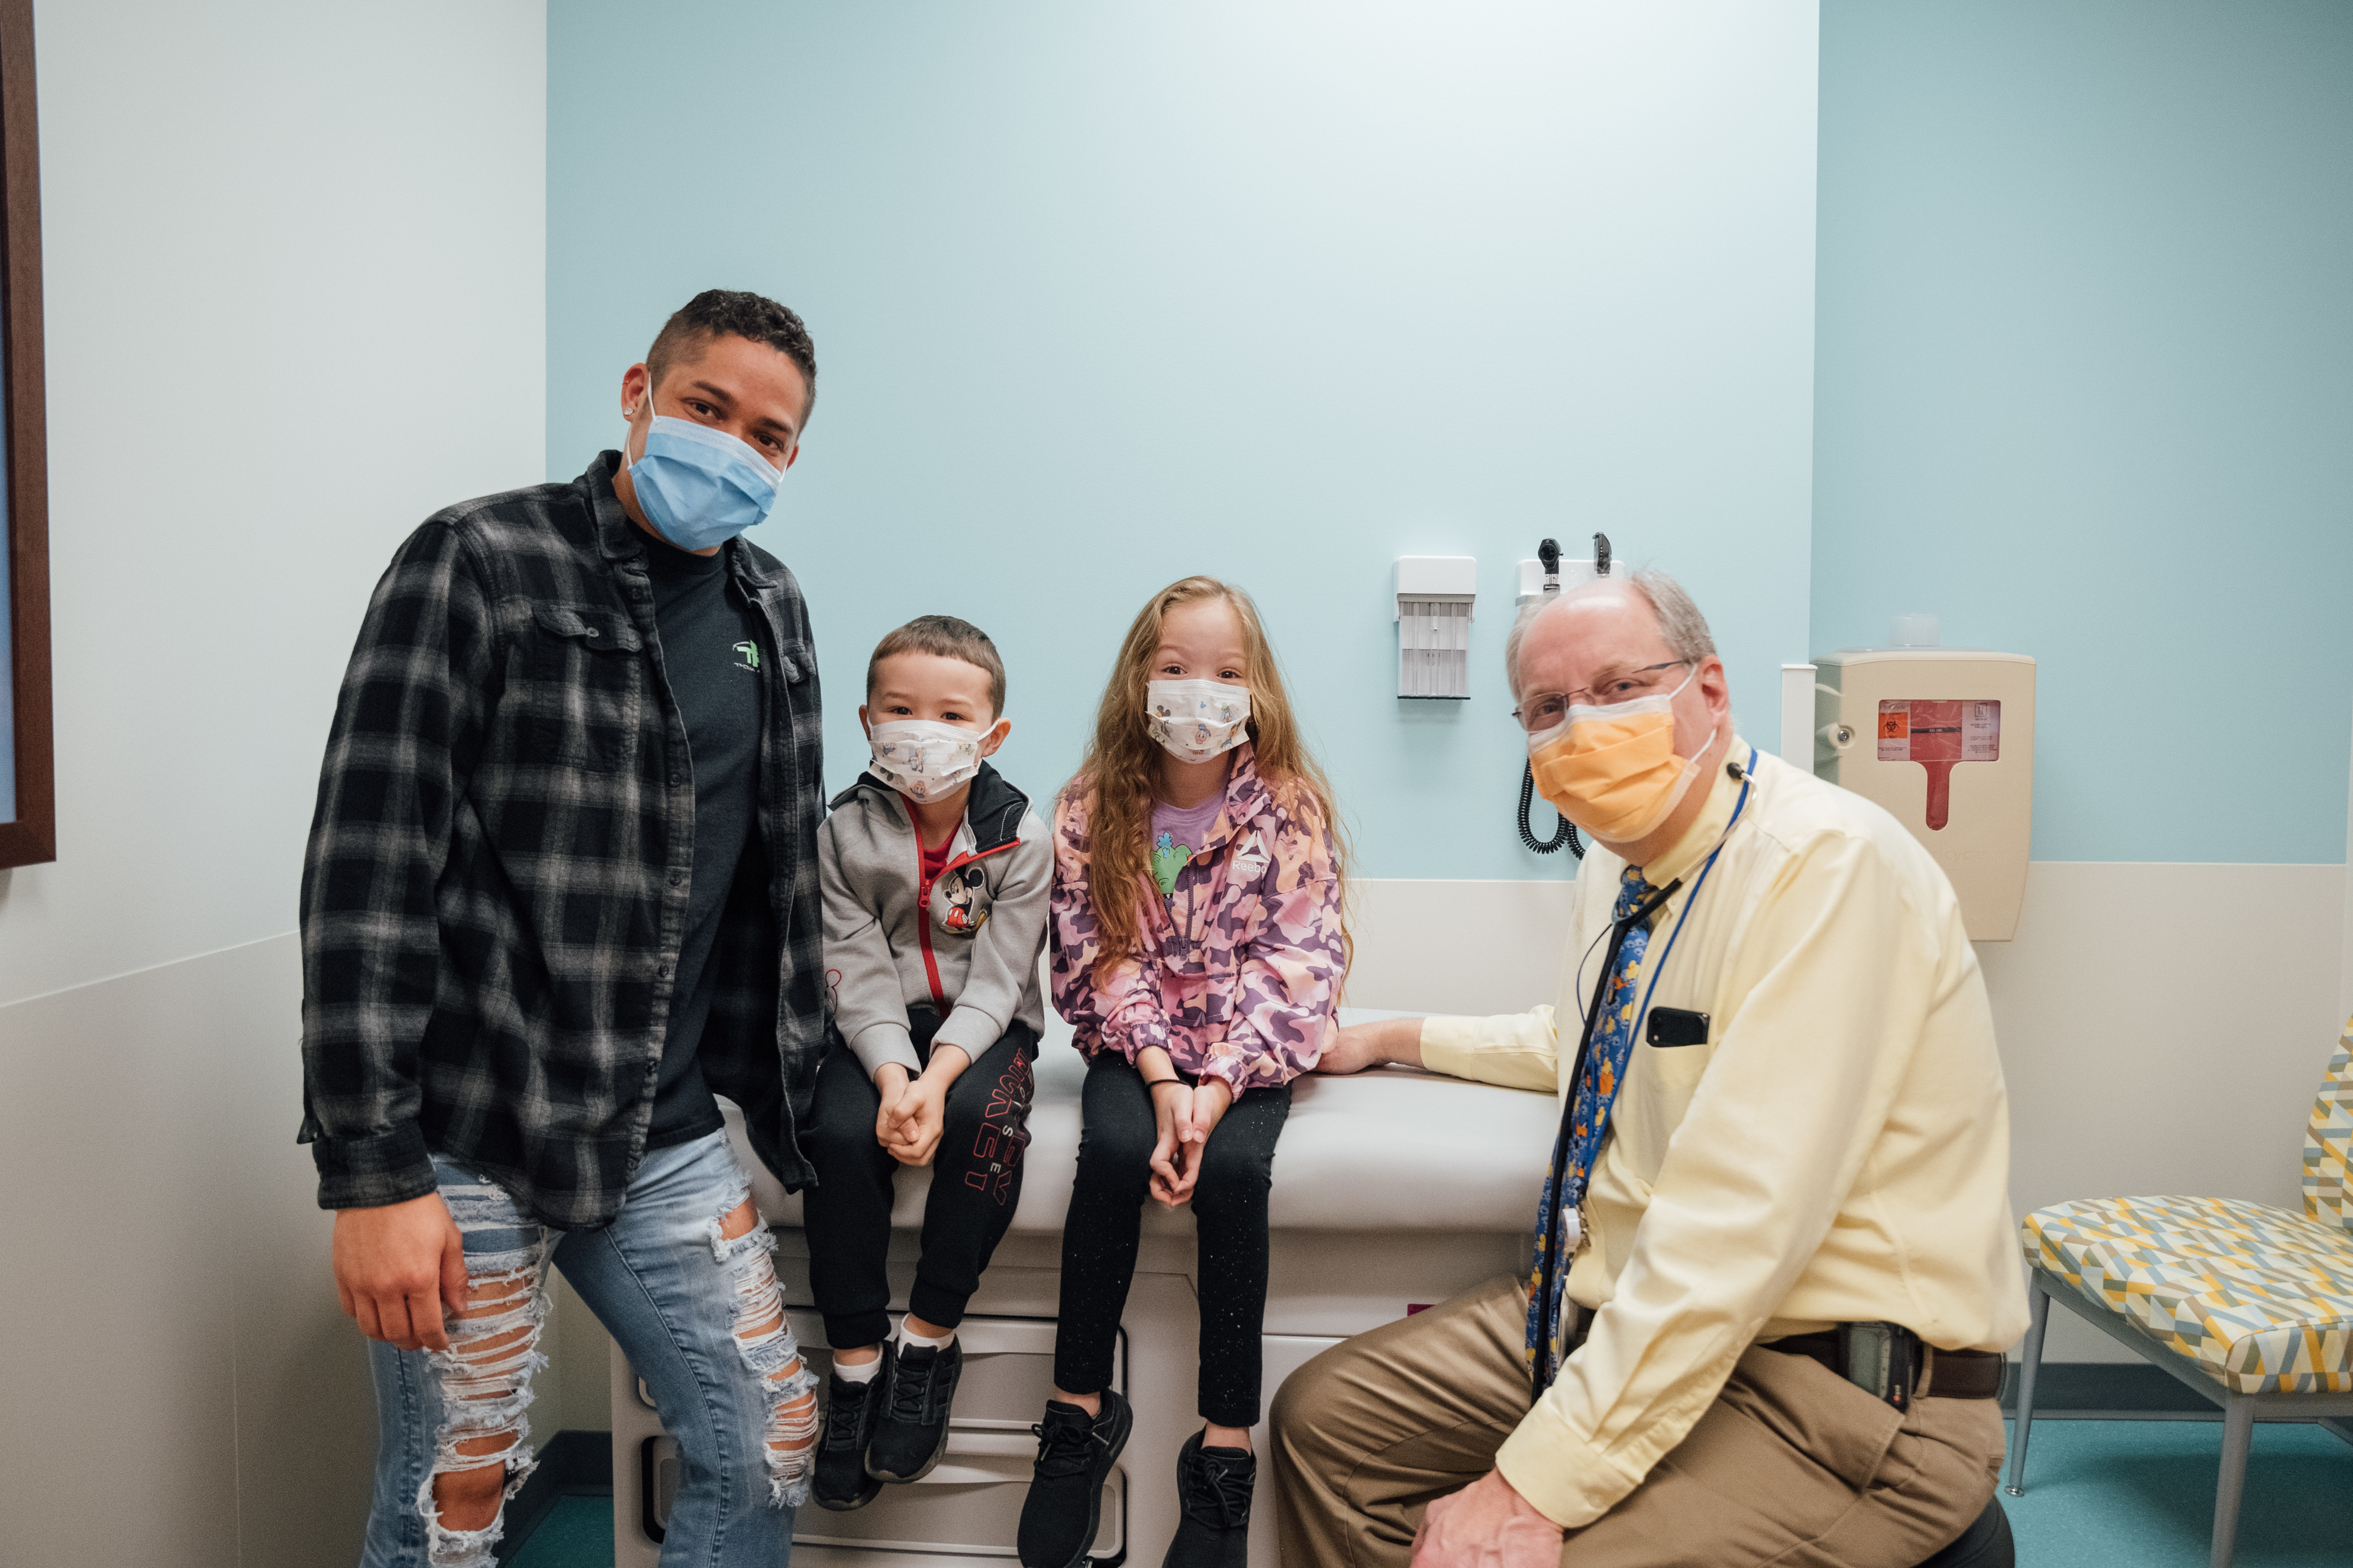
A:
<point x="2099" y="1494"/>
<point x="579" y="1535"/>
<point x="2106" y="1494"/>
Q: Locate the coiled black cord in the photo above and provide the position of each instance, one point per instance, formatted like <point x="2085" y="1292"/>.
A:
<point x="1564" y="837"/>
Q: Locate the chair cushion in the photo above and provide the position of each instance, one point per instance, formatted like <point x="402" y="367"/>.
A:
<point x="2328" y="1143"/>
<point x="2261" y="1298"/>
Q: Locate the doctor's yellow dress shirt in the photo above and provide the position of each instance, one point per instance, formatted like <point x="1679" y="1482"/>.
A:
<point x="1838" y="1150"/>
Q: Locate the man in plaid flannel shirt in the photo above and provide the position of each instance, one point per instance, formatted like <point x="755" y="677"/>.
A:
<point x="561" y="890"/>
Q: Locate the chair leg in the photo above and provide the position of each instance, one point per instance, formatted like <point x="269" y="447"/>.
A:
<point x="2030" y="1362"/>
<point x="2238" y="1433"/>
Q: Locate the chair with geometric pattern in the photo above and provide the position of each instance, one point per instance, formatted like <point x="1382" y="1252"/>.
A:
<point x="2250" y="1306"/>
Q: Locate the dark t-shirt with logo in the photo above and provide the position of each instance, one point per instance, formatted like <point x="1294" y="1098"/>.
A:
<point x="712" y="653"/>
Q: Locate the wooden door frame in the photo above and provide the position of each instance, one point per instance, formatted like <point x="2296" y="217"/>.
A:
<point x="32" y="836"/>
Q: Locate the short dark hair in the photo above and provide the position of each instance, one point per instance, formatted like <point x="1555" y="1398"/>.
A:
<point x="738" y="312"/>
<point x="949" y="639"/>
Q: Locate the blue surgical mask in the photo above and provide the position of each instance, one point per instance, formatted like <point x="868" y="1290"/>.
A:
<point x="699" y="487"/>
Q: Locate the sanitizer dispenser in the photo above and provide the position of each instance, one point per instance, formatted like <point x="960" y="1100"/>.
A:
<point x="1943" y="738"/>
<point x="1434" y="595"/>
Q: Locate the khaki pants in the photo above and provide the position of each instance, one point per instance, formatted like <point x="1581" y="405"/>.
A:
<point x="1792" y="1465"/>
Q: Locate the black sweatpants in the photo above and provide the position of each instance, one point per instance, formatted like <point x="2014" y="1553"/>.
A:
<point x="1099" y="1235"/>
<point x="976" y="1184"/>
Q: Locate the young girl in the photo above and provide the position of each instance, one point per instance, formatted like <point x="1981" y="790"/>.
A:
<point x="1198" y="952"/>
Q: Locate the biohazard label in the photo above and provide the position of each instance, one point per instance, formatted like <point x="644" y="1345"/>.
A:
<point x="1936" y="735"/>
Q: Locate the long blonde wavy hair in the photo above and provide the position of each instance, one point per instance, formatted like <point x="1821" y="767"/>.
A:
<point x="1119" y="775"/>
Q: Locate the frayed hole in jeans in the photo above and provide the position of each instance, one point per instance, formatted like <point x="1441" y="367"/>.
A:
<point x="481" y="1453"/>
<point x="742" y="1245"/>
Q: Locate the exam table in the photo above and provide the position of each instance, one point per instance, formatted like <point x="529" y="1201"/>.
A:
<point x="1393" y="1189"/>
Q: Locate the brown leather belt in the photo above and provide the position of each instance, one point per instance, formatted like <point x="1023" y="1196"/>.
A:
<point x="1948" y="1375"/>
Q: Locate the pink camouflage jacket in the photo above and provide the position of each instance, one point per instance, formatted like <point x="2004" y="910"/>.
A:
<point x="1240" y="967"/>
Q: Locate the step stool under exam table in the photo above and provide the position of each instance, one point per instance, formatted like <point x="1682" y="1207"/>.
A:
<point x="1392" y="1189"/>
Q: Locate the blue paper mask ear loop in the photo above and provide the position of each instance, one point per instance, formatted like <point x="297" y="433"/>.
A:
<point x="645" y="406"/>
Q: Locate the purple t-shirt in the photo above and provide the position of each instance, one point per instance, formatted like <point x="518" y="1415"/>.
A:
<point x="1176" y="835"/>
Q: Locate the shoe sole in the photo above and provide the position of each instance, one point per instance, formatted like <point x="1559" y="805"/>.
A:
<point x="868" y="1493"/>
<point x="1094" y="1498"/>
<point x="930" y="1465"/>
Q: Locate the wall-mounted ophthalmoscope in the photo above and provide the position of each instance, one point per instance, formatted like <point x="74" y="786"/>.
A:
<point x="1565" y="836"/>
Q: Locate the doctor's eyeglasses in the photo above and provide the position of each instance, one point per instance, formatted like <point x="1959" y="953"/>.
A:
<point x="1540" y="711"/>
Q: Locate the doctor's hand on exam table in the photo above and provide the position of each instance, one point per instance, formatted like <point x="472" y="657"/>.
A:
<point x="1361" y="1045"/>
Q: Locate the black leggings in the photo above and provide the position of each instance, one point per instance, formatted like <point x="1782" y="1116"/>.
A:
<point x="976" y="1186"/>
<point x="1099" y="1237"/>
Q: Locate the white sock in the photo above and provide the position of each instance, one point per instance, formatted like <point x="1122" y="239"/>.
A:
<point x="864" y="1371"/>
<point x="909" y="1337"/>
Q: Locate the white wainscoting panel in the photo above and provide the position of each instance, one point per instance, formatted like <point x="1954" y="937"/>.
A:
<point x="167" y="1279"/>
<point x="1456" y="946"/>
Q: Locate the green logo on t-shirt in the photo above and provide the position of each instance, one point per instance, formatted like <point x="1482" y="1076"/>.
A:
<point x="749" y="652"/>
<point x="1168" y="858"/>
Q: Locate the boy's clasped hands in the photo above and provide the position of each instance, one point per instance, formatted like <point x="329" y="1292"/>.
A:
<point x="913" y="1110"/>
<point x="1185" y="1114"/>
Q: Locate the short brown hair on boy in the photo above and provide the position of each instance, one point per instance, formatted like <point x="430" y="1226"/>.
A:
<point x="948" y="637"/>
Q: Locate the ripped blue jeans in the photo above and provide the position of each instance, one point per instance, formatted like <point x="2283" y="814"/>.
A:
<point x="696" y="1312"/>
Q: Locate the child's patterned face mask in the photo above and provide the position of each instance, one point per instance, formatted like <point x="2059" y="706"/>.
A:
<point x="924" y="760"/>
<point x="1197" y="719"/>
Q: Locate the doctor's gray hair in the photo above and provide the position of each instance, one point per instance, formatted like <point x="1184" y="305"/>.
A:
<point x="1680" y="622"/>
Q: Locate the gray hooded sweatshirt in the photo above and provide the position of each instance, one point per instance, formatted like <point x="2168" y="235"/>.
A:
<point x="964" y="946"/>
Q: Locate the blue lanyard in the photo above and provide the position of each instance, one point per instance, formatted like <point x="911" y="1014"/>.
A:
<point x="1748" y="776"/>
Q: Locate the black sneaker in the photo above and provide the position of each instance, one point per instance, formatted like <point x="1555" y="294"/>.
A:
<point x="1075" y="1454"/>
<point x="1213" y="1488"/>
<point x="852" y="1409"/>
<point x="914" y="1432"/>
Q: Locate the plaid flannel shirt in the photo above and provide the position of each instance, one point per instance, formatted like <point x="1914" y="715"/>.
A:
<point x="495" y="889"/>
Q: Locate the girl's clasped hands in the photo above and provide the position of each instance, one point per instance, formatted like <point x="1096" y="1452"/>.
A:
<point x="1186" y="1115"/>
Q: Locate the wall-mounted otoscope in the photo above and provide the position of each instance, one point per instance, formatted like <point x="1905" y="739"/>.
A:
<point x="1548" y="561"/>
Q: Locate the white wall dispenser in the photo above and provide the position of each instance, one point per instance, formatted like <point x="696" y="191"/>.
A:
<point x="1943" y="738"/>
<point x="1434" y="595"/>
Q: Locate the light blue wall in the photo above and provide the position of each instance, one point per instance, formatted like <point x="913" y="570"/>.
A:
<point x="1279" y="292"/>
<point x="2084" y="388"/>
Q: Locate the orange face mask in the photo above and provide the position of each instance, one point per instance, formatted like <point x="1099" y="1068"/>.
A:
<point x="1613" y="770"/>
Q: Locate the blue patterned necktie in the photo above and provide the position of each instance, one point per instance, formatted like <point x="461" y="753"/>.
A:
<point x="1596" y="1093"/>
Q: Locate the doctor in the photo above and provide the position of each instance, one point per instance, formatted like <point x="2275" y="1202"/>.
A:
<point x="1775" y="1266"/>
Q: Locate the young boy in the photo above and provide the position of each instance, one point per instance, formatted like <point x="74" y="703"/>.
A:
<point x="934" y="874"/>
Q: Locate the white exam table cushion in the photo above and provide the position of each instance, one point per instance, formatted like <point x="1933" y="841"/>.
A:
<point x="1389" y="1149"/>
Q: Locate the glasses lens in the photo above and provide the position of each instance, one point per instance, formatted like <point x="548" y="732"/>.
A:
<point x="1543" y="711"/>
<point x="1634" y="683"/>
